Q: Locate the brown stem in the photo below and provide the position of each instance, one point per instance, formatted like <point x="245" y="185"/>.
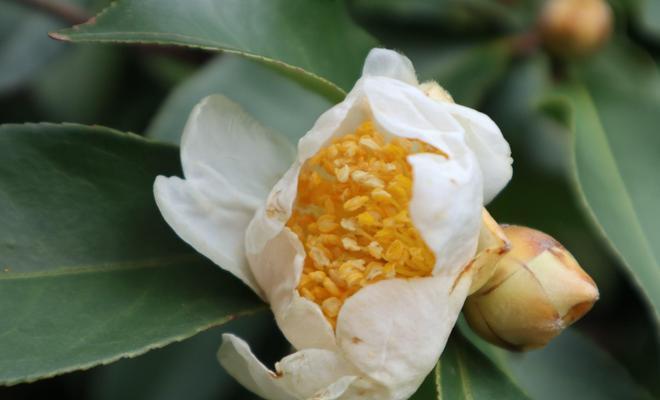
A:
<point x="66" y="12"/>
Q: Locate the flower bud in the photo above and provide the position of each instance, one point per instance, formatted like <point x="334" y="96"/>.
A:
<point x="536" y="291"/>
<point x="575" y="27"/>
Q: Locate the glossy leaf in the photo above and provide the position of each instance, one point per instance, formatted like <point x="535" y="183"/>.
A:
<point x="89" y="271"/>
<point x="190" y="369"/>
<point x="616" y="146"/>
<point x="313" y="41"/>
<point x="273" y="100"/>
<point x="464" y="372"/>
<point x="572" y="367"/>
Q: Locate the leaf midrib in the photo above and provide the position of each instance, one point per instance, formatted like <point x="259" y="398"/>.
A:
<point x="158" y="262"/>
<point x="465" y="379"/>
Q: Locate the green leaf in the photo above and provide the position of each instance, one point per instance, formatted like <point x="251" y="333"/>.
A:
<point x="572" y="367"/>
<point x="467" y="71"/>
<point x="89" y="91"/>
<point x="460" y="16"/>
<point x="648" y="15"/>
<point x="24" y="46"/>
<point x="89" y="271"/>
<point x="273" y="100"/>
<point x="190" y="369"/>
<point x="313" y="41"/>
<point x="542" y="153"/>
<point x="616" y="148"/>
<point x="464" y="372"/>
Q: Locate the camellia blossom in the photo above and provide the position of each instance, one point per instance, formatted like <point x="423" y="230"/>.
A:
<point x="363" y="243"/>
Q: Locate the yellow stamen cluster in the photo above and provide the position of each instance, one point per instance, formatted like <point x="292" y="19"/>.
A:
<point x="351" y="214"/>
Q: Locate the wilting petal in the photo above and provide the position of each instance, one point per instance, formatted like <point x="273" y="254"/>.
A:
<point x="277" y="269"/>
<point x="395" y="330"/>
<point x="316" y="373"/>
<point x="493" y="245"/>
<point x="230" y="163"/>
<point x="237" y="359"/>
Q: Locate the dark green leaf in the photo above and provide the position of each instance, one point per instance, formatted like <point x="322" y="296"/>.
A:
<point x="541" y="152"/>
<point x="25" y="48"/>
<point x="190" y="369"/>
<point x="89" y="271"/>
<point x="467" y="71"/>
<point x="464" y="16"/>
<point x="616" y="146"/>
<point x="464" y="372"/>
<point x="313" y="41"/>
<point x="648" y="13"/>
<point x="24" y="45"/>
<point x="541" y="196"/>
<point x="89" y="91"/>
<point x="572" y="367"/>
<point x="274" y="101"/>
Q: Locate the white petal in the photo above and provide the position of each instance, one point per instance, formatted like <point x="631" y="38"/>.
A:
<point x="337" y="390"/>
<point x="403" y="110"/>
<point x="237" y="359"/>
<point x="222" y="137"/>
<point x="397" y="109"/>
<point x="305" y="326"/>
<point x="230" y="163"/>
<point x="210" y="221"/>
<point x="395" y="330"/>
<point x="492" y="150"/>
<point x="310" y="371"/>
<point x="390" y="64"/>
<point x="446" y="207"/>
<point x="341" y="119"/>
<point x="301" y="375"/>
<point x="272" y="216"/>
<point x="277" y="268"/>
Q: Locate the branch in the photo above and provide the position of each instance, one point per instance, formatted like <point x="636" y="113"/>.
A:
<point x="64" y="11"/>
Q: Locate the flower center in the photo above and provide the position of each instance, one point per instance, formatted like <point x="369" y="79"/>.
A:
<point x="351" y="214"/>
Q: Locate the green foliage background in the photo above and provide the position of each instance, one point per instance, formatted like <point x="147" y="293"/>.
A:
<point x="90" y="274"/>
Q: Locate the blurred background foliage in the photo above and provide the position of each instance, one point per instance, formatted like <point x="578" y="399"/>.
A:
<point x="489" y="54"/>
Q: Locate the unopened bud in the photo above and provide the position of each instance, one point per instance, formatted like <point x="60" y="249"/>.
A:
<point x="536" y="291"/>
<point x="575" y="27"/>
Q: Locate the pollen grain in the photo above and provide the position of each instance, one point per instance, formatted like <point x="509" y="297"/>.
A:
<point x="351" y="214"/>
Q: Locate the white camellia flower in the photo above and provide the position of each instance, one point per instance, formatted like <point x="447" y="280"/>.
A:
<point x="362" y="246"/>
